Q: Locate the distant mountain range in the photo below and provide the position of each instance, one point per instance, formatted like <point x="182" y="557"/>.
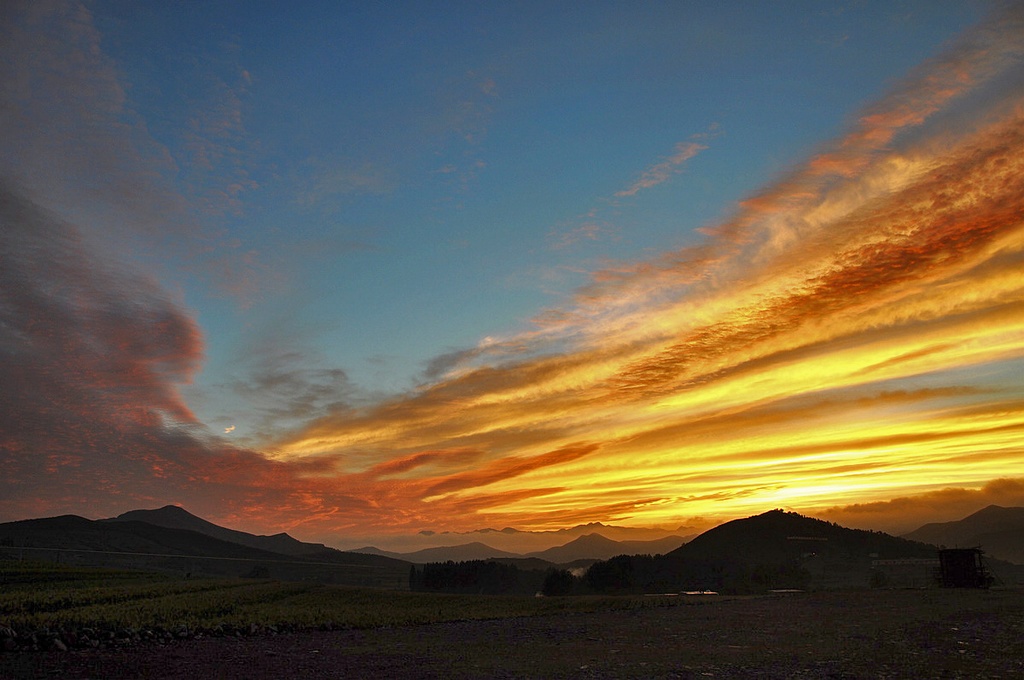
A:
<point x="172" y="539"/>
<point x="173" y="532"/>
<point x="998" y="531"/>
<point x="587" y="547"/>
<point x="456" y="553"/>
<point x="518" y="542"/>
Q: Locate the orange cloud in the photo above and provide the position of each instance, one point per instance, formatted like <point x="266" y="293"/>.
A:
<point x="906" y="513"/>
<point x="846" y="335"/>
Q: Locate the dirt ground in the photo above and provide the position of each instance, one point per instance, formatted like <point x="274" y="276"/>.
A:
<point x="871" y="634"/>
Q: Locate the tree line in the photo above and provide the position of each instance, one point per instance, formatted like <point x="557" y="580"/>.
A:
<point x="625" y="574"/>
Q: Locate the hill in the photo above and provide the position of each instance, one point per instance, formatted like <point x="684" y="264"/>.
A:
<point x="75" y="534"/>
<point x="588" y="547"/>
<point x="519" y="542"/>
<point x="456" y="553"/>
<point x="778" y="536"/>
<point x="133" y="544"/>
<point x="176" y="517"/>
<point x="997" y="530"/>
<point x="774" y="550"/>
<point x="597" y="547"/>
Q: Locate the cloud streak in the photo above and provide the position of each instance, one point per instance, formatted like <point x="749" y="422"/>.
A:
<point x="663" y="171"/>
<point x="845" y="334"/>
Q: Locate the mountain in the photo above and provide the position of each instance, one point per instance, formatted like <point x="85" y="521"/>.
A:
<point x="455" y="553"/>
<point x="997" y="530"/>
<point x="779" y="536"/>
<point x="597" y="547"/>
<point x="591" y="546"/>
<point x="72" y="534"/>
<point x="588" y="547"/>
<point x="781" y="550"/>
<point x="176" y="517"/>
<point x="132" y="544"/>
<point x="519" y="542"/>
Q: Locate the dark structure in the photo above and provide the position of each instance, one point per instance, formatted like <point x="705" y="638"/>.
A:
<point x="963" y="568"/>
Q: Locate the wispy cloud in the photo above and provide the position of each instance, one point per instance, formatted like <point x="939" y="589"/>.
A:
<point x="594" y="226"/>
<point x="326" y="183"/>
<point x="74" y="143"/>
<point x="779" y="362"/>
<point x="664" y="170"/>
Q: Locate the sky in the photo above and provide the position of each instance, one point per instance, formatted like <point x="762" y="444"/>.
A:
<point x="357" y="271"/>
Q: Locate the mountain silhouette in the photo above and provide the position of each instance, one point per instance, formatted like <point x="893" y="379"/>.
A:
<point x="777" y="536"/>
<point x="597" y="547"/>
<point x="134" y="544"/>
<point x="997" y="530"/>
<point x="520" y="542"/>
<point x="772" y="551"/>
<point x="776" y="549"/>
<point x="176" y="517"/>
<point x="585" y="548"/>
<point x="455" y="553"/>
<point x="73" y="533"/>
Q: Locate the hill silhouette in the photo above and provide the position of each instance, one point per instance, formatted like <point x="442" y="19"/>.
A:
<point x="73" y="533"/>
<point x="521" y="542"/>
<point x="176" y="517"/>
<point x="596" y="547"/>
<point x="778" y="535"/>
<point x="773" y="550"/>
<point x="997" y="530"/>
<point x="589" y="547"/>
<point x="134" y="544"/>
<point x="456" y="553"/>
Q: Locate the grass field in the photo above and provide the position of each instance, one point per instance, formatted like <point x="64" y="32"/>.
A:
<point x="41" y="597"/>
<point x="125" y="624"/>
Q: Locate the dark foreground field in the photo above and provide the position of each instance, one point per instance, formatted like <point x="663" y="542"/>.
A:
<point x="866" y="634"/>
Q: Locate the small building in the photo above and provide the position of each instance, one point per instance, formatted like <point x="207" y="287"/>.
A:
<point x="963" y="568"/>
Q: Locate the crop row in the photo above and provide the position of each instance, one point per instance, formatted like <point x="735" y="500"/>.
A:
<point x="30" y="575"/>
<point x="145" y="607"/>
<point x="70" y="596"/>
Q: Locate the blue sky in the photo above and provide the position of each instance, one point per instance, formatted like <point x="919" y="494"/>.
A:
<point x="343" y="210"/>
<point x="391" y="183"/>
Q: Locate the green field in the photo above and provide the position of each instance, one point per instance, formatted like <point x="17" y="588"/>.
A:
<point x="46" y="597"/>
<point x="132" y="624"/>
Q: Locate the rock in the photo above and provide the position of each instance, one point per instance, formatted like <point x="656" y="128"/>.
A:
<point x="58" y="645"/>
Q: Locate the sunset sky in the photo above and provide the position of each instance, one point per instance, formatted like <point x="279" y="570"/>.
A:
<point x="360" y="270"/>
